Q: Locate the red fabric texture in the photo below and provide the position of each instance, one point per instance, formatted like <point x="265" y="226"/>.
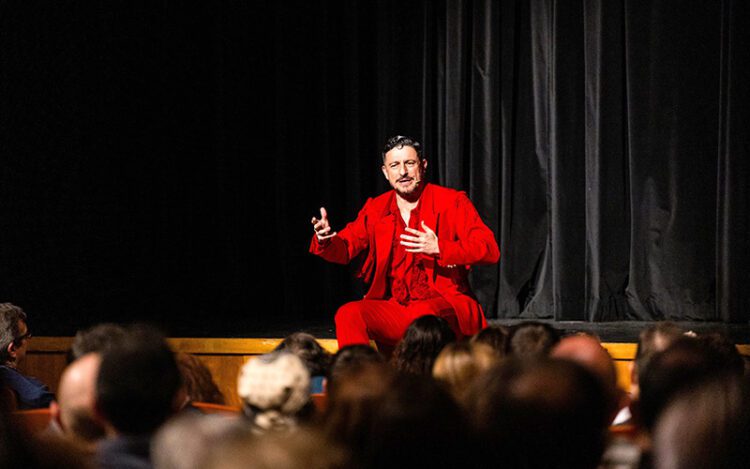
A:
<point x="408" y="280"/>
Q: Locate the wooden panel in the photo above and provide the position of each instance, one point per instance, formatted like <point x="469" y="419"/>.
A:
<point x="46" y="367"/>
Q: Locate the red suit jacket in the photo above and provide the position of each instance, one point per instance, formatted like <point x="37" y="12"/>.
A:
<point x="463" y="238"/>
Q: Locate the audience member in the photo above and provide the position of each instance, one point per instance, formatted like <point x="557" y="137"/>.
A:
<point x="459" y="364"/>
<point x="98" y="338"/>
<point x="705" y="426"/>
<point x="187" y="440"/>
<point x="651" y="340"/>
<point x="275" y="391"/>
<point x="539" y="413"/>
<point x="532" y="339"/>
<point x="589" y="352"/>
<point x="495" y="336"/>
<point x="74" y="411"/>
<point x="313" y="355"/>
<point x="418" y="424"/>
<point x="302" y="449"/>
<point x="726" y="349"/>
<point x="422" y="342"/>
<point x="138" y="388"/>
<point x="686" y="362"/>
<point x="197" y="379"/>
<point x="24" y="392"/>
<point x="354" y="400"/>
<point x="348" y="358"/>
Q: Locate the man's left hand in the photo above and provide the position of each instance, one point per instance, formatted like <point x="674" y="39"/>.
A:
<point x="425" y="242"/>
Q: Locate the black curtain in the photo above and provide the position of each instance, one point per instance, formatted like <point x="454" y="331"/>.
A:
<point x="161" y="161"/>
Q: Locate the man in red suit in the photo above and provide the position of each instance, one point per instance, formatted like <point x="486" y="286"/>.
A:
<point x="416" y="244"/>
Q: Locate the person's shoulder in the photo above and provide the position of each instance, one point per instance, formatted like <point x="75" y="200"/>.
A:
<point x="379" y="202"/>
<point x="445" y="191"/>
<point x="442" y="194"/>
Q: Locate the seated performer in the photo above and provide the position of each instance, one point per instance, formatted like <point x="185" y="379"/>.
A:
<point x="416" y="244"/>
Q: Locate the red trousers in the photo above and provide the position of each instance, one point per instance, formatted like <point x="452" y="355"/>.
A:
<point x="385" y="321"/>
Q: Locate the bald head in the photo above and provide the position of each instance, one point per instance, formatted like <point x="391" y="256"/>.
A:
<point x="76" y="397"/>
<point x="589" y="352"/>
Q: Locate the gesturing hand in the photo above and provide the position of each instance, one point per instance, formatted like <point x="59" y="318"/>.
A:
<point x="322" y="227"/>
<point x="425" y="242"/>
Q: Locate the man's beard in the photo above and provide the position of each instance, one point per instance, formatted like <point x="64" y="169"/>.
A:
<point x="413" y="189"/>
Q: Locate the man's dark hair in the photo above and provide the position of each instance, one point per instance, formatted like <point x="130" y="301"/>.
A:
<point x="421" y="343"/>
<point x="540" y="412"/>
<point x="532" y="339"/>
<point x="10" y="317"/>
<point x="138" y="381"/>
<point x="400" y="141"/>
<point x="98" y="338"/>
<point x="309" y="350"/>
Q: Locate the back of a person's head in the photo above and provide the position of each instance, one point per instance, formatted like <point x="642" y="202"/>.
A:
<point x="75" y="407"/>
<point x="495" y="336"/>
<point x="588" y="351"/>
<point x="98" y="338"/>
<point x="138" y="382"/>
<point x="540" y="413"/>
<point x="418" y="424"/>
<point x="532" y="339"/>
<point x="705" y="426"/>
<point x="309" y="350"/>
<point x="351" y="357"/>
<point x="421" y="343"/>
<point x="275" y="391"/>
<point x="354" y="401"/>
<point x="459" y="363"/>
<point x="187" y="440"/>
<point x="722" y="345"/>
<point x="656" y="338"/>
<point x="686" y="362"/>
<point x="198" y="380"/>
<point x="304" y="448"/>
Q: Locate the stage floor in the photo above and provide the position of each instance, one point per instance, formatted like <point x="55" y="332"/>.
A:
<point x="620" y="331"/>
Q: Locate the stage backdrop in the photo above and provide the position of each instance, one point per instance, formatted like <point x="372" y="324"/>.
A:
<point x="161" y="161"/>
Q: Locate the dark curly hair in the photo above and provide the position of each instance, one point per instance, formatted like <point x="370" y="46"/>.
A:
<point x="422" y="342"/>
<point x="400" y="141"/>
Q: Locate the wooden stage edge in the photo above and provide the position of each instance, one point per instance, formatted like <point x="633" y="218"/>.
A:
<point x="46" y="358"/>
<point x="222" y="346"/>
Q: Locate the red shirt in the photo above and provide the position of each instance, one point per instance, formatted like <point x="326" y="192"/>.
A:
<point x="408" y="280"/>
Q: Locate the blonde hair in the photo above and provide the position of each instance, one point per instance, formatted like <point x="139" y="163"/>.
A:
<point x="458" y="364"/>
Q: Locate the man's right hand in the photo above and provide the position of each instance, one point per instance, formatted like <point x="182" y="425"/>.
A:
<point x="322" y="227"/>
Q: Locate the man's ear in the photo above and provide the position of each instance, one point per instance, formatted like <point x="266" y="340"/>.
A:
<point x="424" y="164"/>
<point x="385" y="172"/>
<point x="12" y="349"/>
<point x="54" y="411"/>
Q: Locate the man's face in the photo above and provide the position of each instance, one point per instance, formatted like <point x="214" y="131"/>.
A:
<point x="404" y="170"/>
<point x="22" y="341"/>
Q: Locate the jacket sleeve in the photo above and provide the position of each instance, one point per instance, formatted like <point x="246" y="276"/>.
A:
<point x="469" y="241"/>
<point x="348" y="243"/>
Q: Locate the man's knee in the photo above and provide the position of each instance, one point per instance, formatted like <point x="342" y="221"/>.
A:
<point x="348" y="313"/>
